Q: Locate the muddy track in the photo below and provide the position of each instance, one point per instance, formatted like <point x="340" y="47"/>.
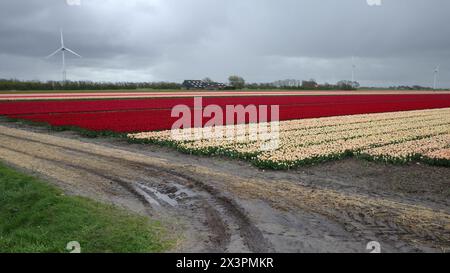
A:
<point x="219" y="233"/>
<point x="252" y="236"/>
<point x="220" y="212"/>
<point x="223" y="210"/>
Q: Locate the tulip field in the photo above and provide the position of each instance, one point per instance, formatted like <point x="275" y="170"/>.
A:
<point x="386" y="127"/>
<point x="392" y="137"/>
<point x="138" y="115"/>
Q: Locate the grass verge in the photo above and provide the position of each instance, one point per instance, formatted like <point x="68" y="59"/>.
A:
<point x="38" y="218"/>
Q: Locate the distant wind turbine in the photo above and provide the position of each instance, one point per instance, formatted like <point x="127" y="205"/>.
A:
<point x="353" y="69"/>
<point x="436" y="74"/>
<point x="63" y="50"/>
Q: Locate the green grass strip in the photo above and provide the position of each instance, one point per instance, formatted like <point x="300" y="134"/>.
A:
<point x="38" y="218"/>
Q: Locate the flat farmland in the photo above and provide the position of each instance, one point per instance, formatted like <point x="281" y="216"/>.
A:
<point x="313" y="193"/>
<point x="137" y="115"/>
<point x="128" y="94"/>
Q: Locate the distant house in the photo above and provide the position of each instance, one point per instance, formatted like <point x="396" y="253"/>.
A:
<point x="311" y="84"/>
<point x="196" y="84"/>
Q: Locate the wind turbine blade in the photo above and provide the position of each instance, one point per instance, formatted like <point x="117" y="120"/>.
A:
<point x="62" y="38"/>
<point x="54" y="53"/>
<point x="436" y="70"/>
<point x="71" y="51"/>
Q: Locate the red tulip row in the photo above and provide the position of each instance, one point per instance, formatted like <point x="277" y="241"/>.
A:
<point x="137" y="115"/>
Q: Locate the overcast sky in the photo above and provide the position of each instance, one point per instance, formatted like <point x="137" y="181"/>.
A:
<point x="399" y="42"/>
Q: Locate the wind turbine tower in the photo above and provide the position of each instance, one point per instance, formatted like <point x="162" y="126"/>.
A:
<point x="436" y="75"/>
<point x="353" y="69"/>
<point x="63" y="49"/>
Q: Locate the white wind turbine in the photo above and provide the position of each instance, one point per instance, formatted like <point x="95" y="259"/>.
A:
<point x="353" y="69"/>
<point x="436" y="74"/>
<point x="63" y="50"/>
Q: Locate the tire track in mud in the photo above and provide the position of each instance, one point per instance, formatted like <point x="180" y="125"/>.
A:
<point x="219" y="231"/>
<point x="223" y="216"/>
<point x="361" y="215"/>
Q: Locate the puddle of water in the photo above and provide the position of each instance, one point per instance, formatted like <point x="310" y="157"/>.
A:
<point x="163" y="197"/>
<point x="182" y="189"/>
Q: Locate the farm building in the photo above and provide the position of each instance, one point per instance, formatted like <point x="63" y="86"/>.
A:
<point x="197" y="84"/>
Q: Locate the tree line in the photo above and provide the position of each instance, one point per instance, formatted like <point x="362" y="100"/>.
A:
<point x="234" y="83"/>
<point x="84" y="85"/>
<point x="238" y="82"/>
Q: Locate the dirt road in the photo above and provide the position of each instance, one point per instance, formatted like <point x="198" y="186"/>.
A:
<point x="228" y="206"/>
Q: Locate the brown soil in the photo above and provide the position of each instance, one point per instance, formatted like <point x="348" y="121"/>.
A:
<point x="221" y="205"/>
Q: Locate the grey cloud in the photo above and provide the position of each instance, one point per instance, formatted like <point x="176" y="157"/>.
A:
<point x="399" y="42"/>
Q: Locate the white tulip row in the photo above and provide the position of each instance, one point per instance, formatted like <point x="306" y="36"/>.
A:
<point x="398" y="135"/>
